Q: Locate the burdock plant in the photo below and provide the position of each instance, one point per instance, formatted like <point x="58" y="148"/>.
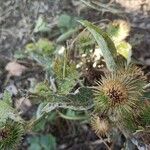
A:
<point x="113" y="100"/>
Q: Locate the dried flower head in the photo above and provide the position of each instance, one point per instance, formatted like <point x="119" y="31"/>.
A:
<point x="119" y="92"/>
<point x="119" y="30"/>
<point x="99" y="125"/>
<point x="10" y="134"/>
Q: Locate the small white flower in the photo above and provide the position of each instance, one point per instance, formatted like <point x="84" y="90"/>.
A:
<point x="61" y="50"/>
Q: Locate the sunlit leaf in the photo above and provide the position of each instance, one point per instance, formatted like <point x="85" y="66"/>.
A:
<point x="124" y="49"/>
<point x="105" y="43"/>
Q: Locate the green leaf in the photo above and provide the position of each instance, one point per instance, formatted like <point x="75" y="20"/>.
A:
<point x="41" y="26"/>
<point x="5" y="111"/>
<point x="66" y="35"/>
<point x="34" y="146"/>
<point x="146" y="116"/>
<point x="66" y="22"/>
<point x="105" y="43"/>
<point x="124" y="49"/>
<point x="73" y="115"/>
<point x="41" y="123"/>
<point x="66" y="75"/>
<point x="45" y="108"/>
<point x="20" y="55"/>
<point x="82" y="97"/>
<point x="43" y="89"/>
<point x="7" y="98"/>
<point x="81" y="100"/>
<point x="42" y="142"/>
<point x="45" y="46"/>
<point x="44" y="61"/>
<point x="48" y="142"/>
<point x="85" y="42"/>
<point x="65" y="85"/>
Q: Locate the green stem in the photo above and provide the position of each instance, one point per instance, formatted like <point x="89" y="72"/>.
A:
<point x="64" y="65"/>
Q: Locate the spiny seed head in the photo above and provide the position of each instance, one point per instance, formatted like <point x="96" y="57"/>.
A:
<point x="10" y="134"/>
<point x="132" y="71"/>
<point x="115" y="91"/>
<point x="99" y="125"/>
<point x="119" y="92"/>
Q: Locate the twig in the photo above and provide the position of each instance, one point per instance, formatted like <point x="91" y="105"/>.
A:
<point x="146" y="86"/>
<point x="104" y="142"/>
<point x="103" y="7"/>
<point x="98" y="142"/>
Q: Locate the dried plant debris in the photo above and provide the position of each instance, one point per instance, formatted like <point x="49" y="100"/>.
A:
<point x="15" y="69"/>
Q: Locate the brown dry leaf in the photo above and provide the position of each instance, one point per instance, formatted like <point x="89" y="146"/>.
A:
<point x="15" y="69"/>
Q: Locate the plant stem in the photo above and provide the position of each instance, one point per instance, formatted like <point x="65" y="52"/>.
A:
<point x="64" y="65"/>
<point x="104" y="142"/>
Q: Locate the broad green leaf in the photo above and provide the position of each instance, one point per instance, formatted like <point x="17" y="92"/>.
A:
<point x="105" y="43"/>
<point x="82" y="97"/>
<point x="48" y="142"/>
<point x="34" y="146"/>
<point x="64" y="21"/>
<point x="81" y="100"/>
<point x="42" y="142"/>
<point x="124" y="49"/>
<point x="42" y="122"/>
